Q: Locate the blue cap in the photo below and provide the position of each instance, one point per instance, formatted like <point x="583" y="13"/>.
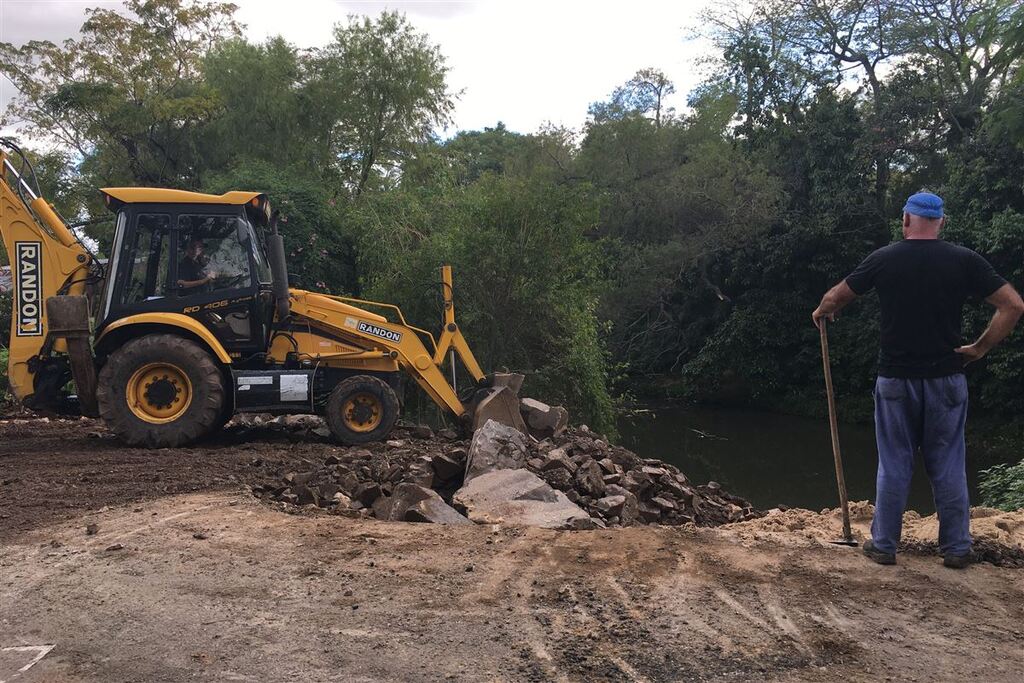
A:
<point x="924" y="204"/>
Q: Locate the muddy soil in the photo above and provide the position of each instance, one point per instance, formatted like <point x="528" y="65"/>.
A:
<point x="188" y="577"/>
<point x="53" y="470"/>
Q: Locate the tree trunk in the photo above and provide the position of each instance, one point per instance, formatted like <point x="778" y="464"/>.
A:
<point x="881" y="152"/>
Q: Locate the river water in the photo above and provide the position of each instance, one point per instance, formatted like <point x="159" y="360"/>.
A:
<point x="767" y="458"/>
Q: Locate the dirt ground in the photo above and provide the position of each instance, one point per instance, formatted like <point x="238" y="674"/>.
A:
<point x="188" y="577"/>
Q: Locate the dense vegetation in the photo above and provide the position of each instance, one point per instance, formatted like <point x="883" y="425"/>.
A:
<point x="1002" y="486"/>
<point x="653" y="251"/>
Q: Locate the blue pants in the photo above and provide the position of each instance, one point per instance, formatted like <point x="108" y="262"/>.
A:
<point x="925" y="414"/>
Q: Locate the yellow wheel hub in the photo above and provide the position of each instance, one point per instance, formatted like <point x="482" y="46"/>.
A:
<point x="159" y="393"/>
<point x="362" y="412"/>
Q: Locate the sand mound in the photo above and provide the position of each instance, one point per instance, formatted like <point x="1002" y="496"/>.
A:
<point x="998" y="535"/>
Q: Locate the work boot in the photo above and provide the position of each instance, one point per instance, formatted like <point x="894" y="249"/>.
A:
<point x="956" y="561"/>
<point x="877" y="555"/>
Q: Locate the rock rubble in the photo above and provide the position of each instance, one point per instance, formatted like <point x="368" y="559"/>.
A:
<point x="575" y="479"/>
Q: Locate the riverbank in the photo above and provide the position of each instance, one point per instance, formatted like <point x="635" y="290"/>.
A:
<point x="217" y="586"/>
<point x="127" y="564"/>
<point x="998" y="535"/>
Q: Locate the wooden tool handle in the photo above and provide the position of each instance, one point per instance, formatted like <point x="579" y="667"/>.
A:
<point x="833" y="424"/>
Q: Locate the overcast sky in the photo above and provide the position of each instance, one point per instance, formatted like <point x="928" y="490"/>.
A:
<point x="524" y="62"/>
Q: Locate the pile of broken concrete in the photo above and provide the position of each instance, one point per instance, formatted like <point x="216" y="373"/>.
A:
<point x="547" y="475"/>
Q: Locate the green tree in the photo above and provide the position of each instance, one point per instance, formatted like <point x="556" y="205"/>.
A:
<point x="263" y="108"/>
<point x="969" y="49"/>
<point x="850" y="35"/>
<point x="642" y="95"/>
<point x="318" y="245"/>
<point x="526" y="277"/>
<point x="501" y="151"/>
<point x="674" y="196"/>
<point x="127" y="92"/>
<point x="388" y="82"/>
<point x="770" y="77"/>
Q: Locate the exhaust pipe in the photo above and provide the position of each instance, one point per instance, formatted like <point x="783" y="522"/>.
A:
<point x="279" y="269"/>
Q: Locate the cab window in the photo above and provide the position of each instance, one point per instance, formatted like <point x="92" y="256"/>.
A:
<point x="213" y="253"/>
<point x="262" y="265"/>
<point x="146" y="259"/>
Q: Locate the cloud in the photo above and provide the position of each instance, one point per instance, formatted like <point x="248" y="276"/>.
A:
<point x="531" y="63"/>
<point x="526" y="63"/>
<point x="53" y="20"/>
<point x="440" y="10"/>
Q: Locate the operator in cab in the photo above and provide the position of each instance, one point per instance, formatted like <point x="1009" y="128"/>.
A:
<point x="192" y="268"/>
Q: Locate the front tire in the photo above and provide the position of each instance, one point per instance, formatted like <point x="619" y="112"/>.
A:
<point x="362" y="409"/>
<point x="161" y="391"/>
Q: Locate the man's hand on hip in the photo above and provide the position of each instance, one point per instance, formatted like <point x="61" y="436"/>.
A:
<point x="971" y="353"/>
<point x="1009" y="309"/>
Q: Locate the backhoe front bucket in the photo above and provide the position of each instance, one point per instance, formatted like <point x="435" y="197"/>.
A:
<point x="498" y="402"/>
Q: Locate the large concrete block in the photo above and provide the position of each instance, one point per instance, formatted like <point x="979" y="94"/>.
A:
<point x="495" y="446"/>
<point x="435" y="511"/>
<point x="393" y="508"/>
<point x="542" y="420"/>
<point x="518" y="497"/>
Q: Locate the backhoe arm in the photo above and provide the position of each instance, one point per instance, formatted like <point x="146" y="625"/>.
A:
<point x="46" y="260"/>
<point x="375" y="334"/>
<point x="378" y="337"/>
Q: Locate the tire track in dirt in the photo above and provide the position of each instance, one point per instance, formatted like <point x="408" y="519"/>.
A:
<point x="773" y="608"/>
<point x="628" y="603"/>
<point x="497" y="572"/>
<point x="712" y="607"/>
<point x="532" y="619"/>
<point x="544" y="626"/>
<point x="597" y="630"/>
<point x="506" y="577"/>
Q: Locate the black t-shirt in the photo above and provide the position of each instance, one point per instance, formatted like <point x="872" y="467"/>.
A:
<point x="190" y="270"/>
<point x="922" y="286"/>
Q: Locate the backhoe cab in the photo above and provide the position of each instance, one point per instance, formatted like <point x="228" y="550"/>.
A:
<point x="194" y="321"/>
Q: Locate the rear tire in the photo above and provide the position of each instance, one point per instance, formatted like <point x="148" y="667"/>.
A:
<point x="161" y="391"/>
<point x="362" y="409"/>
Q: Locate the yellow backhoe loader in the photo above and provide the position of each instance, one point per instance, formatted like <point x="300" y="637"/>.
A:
<point x="194" y="321"/>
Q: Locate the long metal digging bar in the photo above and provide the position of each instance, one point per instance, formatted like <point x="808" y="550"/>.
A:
<point x="847" y="538"/>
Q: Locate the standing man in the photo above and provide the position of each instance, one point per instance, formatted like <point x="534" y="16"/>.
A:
<point x="921" y="391"/>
